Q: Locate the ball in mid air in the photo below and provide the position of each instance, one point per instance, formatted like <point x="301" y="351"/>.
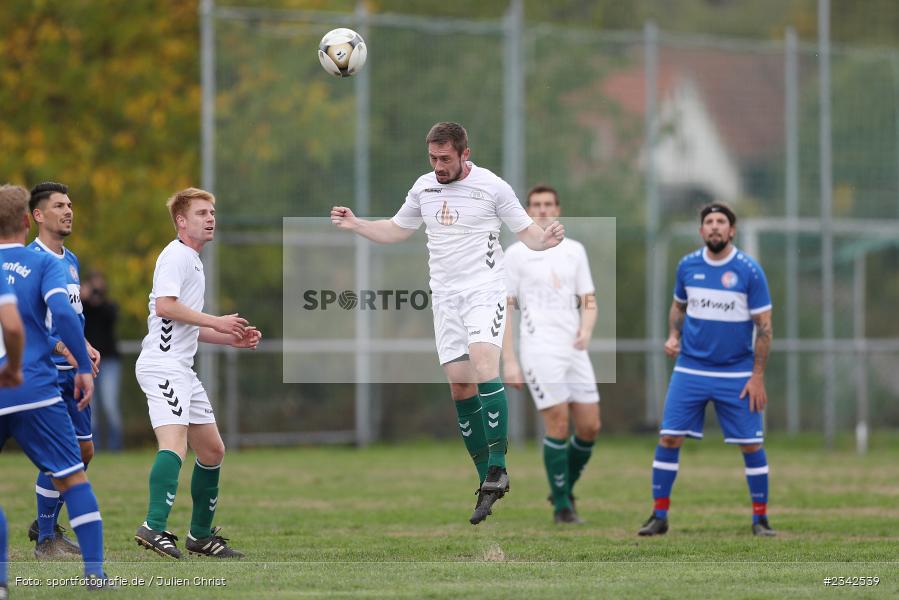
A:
<point x="342" y="52"/>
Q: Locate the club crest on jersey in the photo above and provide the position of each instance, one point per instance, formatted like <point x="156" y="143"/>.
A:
<point x="447" y="216"/>
<point x="74" y="273"/>
<point x="729" y="280"/>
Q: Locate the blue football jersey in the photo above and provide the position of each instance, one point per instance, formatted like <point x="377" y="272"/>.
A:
<point x="34" y="277"/>
<point x="721" y="297"/>
<point x="73" y="288"/>
<point x="7" y="296"/>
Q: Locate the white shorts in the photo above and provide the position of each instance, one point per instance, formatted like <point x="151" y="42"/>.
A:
<point x="468" y="317"/>
<point x="175" y="395"/>
<point x="559" y="376"/>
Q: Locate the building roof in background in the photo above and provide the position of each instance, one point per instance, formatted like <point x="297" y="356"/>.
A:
<point x="744" y="94"/>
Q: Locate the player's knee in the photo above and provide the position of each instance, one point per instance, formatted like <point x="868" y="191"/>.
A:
<point x="64" y="483"/>
<point x="213" y="455"/>
<point x="463" y="391"/>
<point x="750" y="448"/>
<point x="671" y="441"/>
<point x="557" y="429"/>
<point x="587" y="431"/>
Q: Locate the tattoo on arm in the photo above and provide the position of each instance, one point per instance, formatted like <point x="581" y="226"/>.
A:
<point x="763" y="336"/>
<point x="676" y="317"/>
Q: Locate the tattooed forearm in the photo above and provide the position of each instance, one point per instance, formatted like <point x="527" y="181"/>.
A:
<point x="676" y="318"/>
<point x="763" y="335"/>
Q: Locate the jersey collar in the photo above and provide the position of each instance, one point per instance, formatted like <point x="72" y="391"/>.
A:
<point x="48" y="250"/>
<point x="12" y="245"/>
<point x="718" y="263"/>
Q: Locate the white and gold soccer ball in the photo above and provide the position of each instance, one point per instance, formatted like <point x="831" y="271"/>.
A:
<point x="342" y="52"/>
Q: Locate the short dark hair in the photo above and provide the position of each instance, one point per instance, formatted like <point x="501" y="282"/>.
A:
<point x="42" y="191"/>
<point x="717" y="207"/>
<point x="541" y="188"/>
<point x="444" y="132"/>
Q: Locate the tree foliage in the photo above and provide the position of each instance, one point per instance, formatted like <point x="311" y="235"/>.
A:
<point x="104" y="96"/>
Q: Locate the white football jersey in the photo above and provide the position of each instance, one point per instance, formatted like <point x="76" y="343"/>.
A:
<point x="178" y="273"/>
<point x="547" y="285"/>
<point x="463" y="220"/>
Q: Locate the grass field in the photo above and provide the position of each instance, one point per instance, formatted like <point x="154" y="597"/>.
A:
<point x="392" y="521"/>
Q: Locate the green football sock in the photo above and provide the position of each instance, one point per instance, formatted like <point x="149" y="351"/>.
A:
<point x="204" y="489"/>
<point x="496" y="420"/>
<point x="163" y="486"/>
<point x="579" y="453"/>
<point x="555" y="459"/>
<point x="472" y="428"/>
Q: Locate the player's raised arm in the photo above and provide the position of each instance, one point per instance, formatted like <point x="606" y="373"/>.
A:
<point x="382" y="231"/>
<point x="537" y="238"/>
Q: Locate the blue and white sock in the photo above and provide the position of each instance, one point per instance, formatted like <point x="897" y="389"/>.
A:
<point x="4" y="558"/>
<point x="48" y="505"/>
<point x="664" y="472"/>
<point x="84" y="516"/>
<point x="757" y="478"/>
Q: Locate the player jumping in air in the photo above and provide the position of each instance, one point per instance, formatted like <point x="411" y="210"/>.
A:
<point x="555" y="295"/>
<point x="720" y="296"/>
<point x="180" y="411"/>
<point x="463" y="207"/>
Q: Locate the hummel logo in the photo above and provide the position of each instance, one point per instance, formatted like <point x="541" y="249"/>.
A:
<point x="212" y="503"/>
<point x="169" y="498"/>
<point x="493" y="424"/>
<point x="559" y="480"/>
<point x="491" y="240"/>
<point x="465" y="428"/>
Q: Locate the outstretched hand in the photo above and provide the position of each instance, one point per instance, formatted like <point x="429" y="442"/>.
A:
<point x="343" y="218"/>
<point x="553" y="235"/>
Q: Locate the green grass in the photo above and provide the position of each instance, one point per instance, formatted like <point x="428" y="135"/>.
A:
<point x="392" y="521"/>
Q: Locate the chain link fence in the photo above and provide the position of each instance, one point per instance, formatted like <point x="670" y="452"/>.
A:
<point x="643" y="126"/>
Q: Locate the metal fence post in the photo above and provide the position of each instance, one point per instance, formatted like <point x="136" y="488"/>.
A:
<point x="653" y="306"/>
<point x="362" y="88"/>
<point x="791" y="124"/>
<point x="208" y="357"/>
<point x="827" y="283"/>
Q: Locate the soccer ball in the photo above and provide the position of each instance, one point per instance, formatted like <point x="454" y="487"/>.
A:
<point x="342" y="52"/>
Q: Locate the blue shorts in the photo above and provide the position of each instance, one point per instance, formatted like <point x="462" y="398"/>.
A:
<point x="685" y="408"/>
<point x="81" y="419"/>
<point x="47" y="438"/>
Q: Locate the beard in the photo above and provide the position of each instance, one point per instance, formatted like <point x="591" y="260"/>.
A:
<point x="716" y="246"/>
<point x="450" y="176"/>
